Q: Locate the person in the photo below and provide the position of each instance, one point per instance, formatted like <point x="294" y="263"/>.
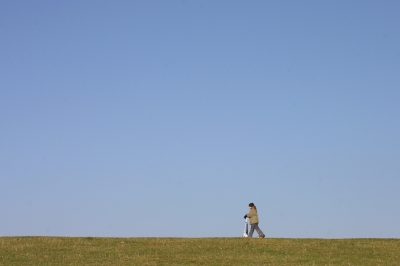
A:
<point x="254" y="221"/>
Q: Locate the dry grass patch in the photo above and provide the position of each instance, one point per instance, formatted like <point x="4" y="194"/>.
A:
<point x="196" y="251"/>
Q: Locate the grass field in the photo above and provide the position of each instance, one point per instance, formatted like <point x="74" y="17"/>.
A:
<point x="196" y="251"/>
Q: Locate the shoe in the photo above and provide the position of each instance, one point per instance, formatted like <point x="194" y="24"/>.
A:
<point x="261" y="236"/>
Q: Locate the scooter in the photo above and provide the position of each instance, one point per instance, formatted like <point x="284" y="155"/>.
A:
<point x="246" y="228"/>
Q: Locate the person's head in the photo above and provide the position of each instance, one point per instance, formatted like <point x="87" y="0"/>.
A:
<point x="252" y="206"/>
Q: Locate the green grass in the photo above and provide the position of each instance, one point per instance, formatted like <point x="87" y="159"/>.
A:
<point x="196" y="251"/>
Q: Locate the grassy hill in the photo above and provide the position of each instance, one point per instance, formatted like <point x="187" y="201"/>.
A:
<point x="197" y="251"/>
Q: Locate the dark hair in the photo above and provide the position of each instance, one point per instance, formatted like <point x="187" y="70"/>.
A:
<point x="252" y="205"/>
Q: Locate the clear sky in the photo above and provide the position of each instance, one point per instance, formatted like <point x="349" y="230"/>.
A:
<point x="167" y="118"/>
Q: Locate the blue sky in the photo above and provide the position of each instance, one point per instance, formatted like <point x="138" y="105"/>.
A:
<point x="166" y="118"/>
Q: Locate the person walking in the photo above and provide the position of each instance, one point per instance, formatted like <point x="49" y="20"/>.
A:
<point x="254" y="221"/>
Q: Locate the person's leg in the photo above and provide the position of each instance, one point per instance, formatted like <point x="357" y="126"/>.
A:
<point x="260" y="233"/>
<point x="251" y="230"/>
